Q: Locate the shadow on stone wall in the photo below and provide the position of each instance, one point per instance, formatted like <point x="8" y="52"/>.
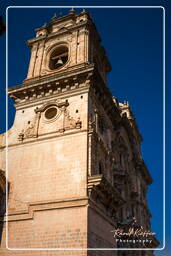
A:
<point x="2" y="211"/>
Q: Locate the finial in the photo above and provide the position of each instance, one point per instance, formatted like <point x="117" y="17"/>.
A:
<point x="54" y="17"/>
<point x="72" y="11"/>
<point x="126" y="103"/>
<point x="83" y="11"/>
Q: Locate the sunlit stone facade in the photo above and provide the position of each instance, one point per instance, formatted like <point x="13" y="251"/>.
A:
<point x="75" y="168"/>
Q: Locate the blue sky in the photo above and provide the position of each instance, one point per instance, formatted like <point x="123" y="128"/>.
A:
<point x="132" y="38"/>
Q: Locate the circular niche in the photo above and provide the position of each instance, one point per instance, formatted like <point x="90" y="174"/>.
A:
<point x="50" y="113"/>
<point x="58" y="57"/>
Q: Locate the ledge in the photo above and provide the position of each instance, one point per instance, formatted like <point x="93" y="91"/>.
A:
<point x="44" y="206"/>
<point x="105" y="192"/>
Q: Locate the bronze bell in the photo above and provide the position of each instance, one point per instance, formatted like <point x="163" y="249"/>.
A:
<point x="59" y="62"/>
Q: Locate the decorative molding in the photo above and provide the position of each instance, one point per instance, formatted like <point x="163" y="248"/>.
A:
<point x="32" y="129"/>
<point x="50" y="85"/>
<point x="44" y="206"/>
<point x="48" y="136"/>
<point x="101" y="190"/>
<point x="68" y="123"/>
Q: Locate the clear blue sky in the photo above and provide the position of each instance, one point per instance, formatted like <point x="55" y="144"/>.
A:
<point x="133" y="42"/>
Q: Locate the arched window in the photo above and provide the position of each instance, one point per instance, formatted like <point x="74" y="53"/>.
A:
<point x="58" y="57"/>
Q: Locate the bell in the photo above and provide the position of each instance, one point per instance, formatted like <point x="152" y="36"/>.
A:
<point x="59" y="62"/>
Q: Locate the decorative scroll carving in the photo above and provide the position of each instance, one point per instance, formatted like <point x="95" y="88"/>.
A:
<point x="102" y="191"/>
<point x="78" y="123"/>
<point x="59" y="103"/>
<point x="21" y="136"/>
<point x="68" y="122"/>
<point x="32" y="129"/>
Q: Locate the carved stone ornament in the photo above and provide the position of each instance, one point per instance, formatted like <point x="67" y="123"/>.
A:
<point x="92" y="126"/>
<point x="101" y="189"/>
<point x="49" y="113"/>
<point x="69" y="122"/>
<point x="31" y="130"/>
<point x="21" y="136"/>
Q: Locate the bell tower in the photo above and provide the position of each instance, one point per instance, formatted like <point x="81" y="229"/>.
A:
<point x="64" y="45"/>
<point x="74" y="162"/>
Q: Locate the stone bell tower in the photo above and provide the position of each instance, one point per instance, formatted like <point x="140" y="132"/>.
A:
<point x="74" y="162"/>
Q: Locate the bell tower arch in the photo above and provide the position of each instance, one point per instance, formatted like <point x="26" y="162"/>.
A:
<point x="60" y="45"/>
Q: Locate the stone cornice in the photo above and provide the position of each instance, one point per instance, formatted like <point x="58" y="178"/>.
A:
<point x="47" y="136"/>
<point x="59" y="33"/>
<point x="51" y="85"/>
<point x="64" y="94"/>
<point x="69" y="73"/>
<point x="105" y="192"/>
<point x="73" y="16"/>
<point x="44" y="206"/>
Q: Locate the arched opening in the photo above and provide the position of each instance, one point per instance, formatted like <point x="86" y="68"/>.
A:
<point x="58" y="57"/>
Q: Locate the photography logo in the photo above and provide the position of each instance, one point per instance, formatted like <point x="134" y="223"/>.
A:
<point x="129" y="234"/>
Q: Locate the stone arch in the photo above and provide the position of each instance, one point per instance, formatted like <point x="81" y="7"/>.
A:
<point x="49" y="51"/>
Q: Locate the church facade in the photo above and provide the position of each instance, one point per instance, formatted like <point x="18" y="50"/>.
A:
<point x="75" y="170"/>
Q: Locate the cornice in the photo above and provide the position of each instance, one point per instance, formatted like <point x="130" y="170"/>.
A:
<point x="101" y="189"/>
<point x="40" y="101"/>
<point x="47" y="136"/>
<point x="51" y="85"/>
<point x="50" y="35"/>
<point x="44" y="206"/>
<point x="72" y="72"/>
